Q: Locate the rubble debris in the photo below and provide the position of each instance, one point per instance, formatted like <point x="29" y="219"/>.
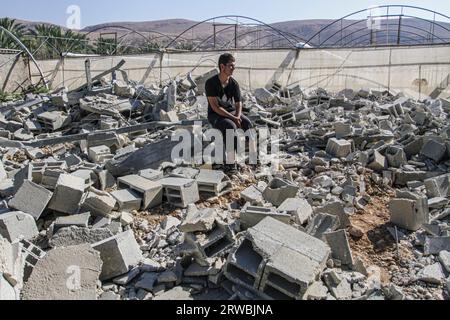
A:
<point x="94" y="169"/>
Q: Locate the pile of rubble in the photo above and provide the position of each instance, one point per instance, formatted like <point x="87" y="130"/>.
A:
<point x="92" y="207"/>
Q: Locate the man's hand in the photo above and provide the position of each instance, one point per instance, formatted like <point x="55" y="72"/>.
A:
<point x="237" y="121"/>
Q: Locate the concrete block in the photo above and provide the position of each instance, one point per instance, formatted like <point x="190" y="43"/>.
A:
<point x="253" y="195"/>
<point x="213" y="183"/>
<point x="73" y="235"/>
<point x="279" y="190"/>
<point x="78" y="220"/>
<point x="68" y="193"/>
<point x="342" y="129"/>
<point x="322" y="223"/>
<point x="17" y="225"/>
<point x="127" y="199"/>
<point x="298" y="208"/>
<point x="283" y="279"/>
<point x="434" y="245"/>
<point x="199" y="220"/>
<point x="434" y="150"/>
<point x="119" y="254"/>
<point x="89" y="176"/>
<point x="150" y="191"/>
<point x="340" y="248"/>
<point x="99" y="203"/>
<point x="126" y="219"/>
<point x="52" y="120"/>
<point x="438" y="186"/>
<point x="180" y="192"/>
<point x="396" y="157"/>
<point x="31" y="198"/>
<point x="267" y="260"/>
<point x="336" y="208"/>
<point x="376" y="161"/>
<point x="99" y="154"/>
<point x="212" y="243"/>
<point x="251" y="215"/>
<point x="338" y="148"/>
<point x="147" y="281"/>
<point x="69" y="273"/>
<point x="409" y="213"/>
<point x="106" y="180"/>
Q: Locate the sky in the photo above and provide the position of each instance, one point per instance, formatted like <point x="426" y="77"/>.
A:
<point x="100" y="11"/>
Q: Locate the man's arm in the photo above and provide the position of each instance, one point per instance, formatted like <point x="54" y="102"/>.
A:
<point x="238" y="109"/>
<point x="221" y="111"/>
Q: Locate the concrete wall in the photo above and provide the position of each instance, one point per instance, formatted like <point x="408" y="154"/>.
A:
<point x="417" y="70"/>
<point x="14" y="72"/>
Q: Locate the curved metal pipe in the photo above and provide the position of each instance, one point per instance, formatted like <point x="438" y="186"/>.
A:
<point x="28" y="53"/>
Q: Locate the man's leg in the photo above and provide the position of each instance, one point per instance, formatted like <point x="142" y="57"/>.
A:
<point x="224" y="124"/>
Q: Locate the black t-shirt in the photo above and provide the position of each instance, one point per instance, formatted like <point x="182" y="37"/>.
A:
<point x="226" y="97"/>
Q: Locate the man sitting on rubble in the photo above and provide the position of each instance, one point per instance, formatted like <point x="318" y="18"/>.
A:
<point x="224" y="102"/>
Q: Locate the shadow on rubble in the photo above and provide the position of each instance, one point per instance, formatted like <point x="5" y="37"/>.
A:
<point x="381" y="238"/>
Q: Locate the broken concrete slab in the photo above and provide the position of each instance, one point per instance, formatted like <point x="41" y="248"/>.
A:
<point x="298" y="208"/>
<point x="17" y="225"/>
<point x="444" y="258"/>
<point x="322" y="223"/>
<point x="336" y="208"/>
<point x="99" y="203"/>
<point x="434" y="150"/>
<point x="31" y="198"/>
<point x="253" y="195"/>
<point x="69" y="273"/>
<point x="199" y="220"/>
<point x="119" y="254"/>
<point x="73" y="235"/>
<point x="77" y="220"/>
<point x="340" y="248"/>
<point x="432" y="274"/>
<point x="434" y="245"/>
<point x="438" y="186"/>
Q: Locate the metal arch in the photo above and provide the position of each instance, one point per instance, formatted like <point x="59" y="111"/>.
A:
<point x="382" y="31"/>
<point x="379" y="7"/>
<point x="230" y="16"/>
<point x="27" y="52"/>
<point x="349" y="44"/>
<point x="295" y="38"/>
<point x="264" y="37"/>
<point x="129" y="29"/>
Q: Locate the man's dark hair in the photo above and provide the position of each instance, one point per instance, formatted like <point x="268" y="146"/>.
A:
<point x="226" y="58"/>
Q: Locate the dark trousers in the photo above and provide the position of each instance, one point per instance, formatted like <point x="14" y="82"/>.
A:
<point x="222" y="124"/>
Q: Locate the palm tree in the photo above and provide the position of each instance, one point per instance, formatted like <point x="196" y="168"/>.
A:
<point x="18" y="29"/>
<point x="52" y="41"/>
